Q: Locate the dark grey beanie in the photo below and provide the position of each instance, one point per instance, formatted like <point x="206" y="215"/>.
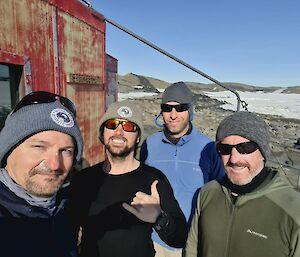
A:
<point x="35" y="118"/>
<point x="123" y="110"/>
<point x="180" y="93"/>
<point x="177" y="92"/>
<point x="247" y="125"/>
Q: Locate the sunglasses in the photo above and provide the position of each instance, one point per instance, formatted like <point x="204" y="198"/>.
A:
<point x="242" y="148"/>
<point x="127" y="126"/>
<point x="39" y="97"/>
<point x="177" y="107"/>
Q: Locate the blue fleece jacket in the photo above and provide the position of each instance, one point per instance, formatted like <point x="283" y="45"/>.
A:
<point x="188" y="165"/>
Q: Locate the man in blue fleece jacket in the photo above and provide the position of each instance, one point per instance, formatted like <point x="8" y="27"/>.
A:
<point x="187" y="157"/>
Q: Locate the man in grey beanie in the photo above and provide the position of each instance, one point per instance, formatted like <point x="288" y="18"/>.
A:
<point x="39" y="144"/>
<point x="186" y="156"/>
<point x="119" y="201"/>
<point x="252" y="211"/>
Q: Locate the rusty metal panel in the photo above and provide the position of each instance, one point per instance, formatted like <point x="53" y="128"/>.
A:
<point x="111" y="80"/>
<point x="111" y="64"/>
<point x="61" y="39"/>
<point x="81" y="12"/>
<point x="7" y="57"/>
<point x="26" y="31"/>
<point x="82" y="60"/>
<point x="89" y="102"/>
<point x="81" y="47"/>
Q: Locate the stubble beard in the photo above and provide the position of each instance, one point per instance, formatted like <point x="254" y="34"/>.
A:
<point x="174" y="131"/>
<point x="49" y="186"/>
<point x="252" y="174"/>
<point x="120" y="154"/>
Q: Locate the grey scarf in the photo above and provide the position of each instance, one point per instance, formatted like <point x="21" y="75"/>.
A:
<point x="47" y="203"/>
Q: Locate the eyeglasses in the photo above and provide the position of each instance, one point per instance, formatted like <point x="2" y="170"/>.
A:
<point x="38" y="97"/>
<point x="242" y="148"/>
<point x="127" y="126"/>
<point x="177" y="107"/>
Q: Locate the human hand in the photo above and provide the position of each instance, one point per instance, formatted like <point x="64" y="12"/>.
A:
<point x="145" y="207"/>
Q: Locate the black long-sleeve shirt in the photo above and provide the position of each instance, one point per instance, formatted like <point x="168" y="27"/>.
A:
<point x="108" y="229"/>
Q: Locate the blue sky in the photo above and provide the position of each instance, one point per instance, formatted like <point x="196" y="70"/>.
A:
<point x="256" y="42"/>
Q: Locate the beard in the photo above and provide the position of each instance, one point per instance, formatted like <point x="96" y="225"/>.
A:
<point x="248" y="177"/>
<point x="175" y="130"/>
<point x="49" y="186"/>
<point x="120" y="153"/>
<point x="178" y="130"/>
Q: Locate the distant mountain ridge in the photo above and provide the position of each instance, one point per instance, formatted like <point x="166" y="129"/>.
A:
<point x="142" y="83"/>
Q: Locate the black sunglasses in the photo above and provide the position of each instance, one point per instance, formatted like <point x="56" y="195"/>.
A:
<point x="242" y="148"/>
<point x="38" y="97"/>
<point x="126" y="125"/>
<point x="177" y="107"/>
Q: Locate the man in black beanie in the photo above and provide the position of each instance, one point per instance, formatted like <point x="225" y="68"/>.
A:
<point x="252" y="211"/>
<point x="39" y="144"/>
<point x="186" y="156"/>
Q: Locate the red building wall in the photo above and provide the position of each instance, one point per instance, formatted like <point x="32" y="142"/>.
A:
<point x="61" y="45"/>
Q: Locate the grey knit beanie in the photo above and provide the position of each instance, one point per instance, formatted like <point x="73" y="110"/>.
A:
<point x="247" y="125"/>
<point x="180" y="93"/>
<point x="123" y="110"/>
<point x="35" y="118"/>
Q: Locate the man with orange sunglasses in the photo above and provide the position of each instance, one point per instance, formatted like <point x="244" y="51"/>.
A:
<point x="118" y="202"/>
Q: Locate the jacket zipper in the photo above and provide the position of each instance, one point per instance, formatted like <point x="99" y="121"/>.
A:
<point x="229" y="235"/>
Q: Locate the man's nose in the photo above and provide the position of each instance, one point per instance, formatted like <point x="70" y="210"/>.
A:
<point x="173" y="113"/>
<point x="53" y="160"/>
<point x="234" y="155"/>
<point x="119" y="130"/>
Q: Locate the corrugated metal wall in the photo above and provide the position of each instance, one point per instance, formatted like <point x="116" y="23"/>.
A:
<point x="64" y="42"/>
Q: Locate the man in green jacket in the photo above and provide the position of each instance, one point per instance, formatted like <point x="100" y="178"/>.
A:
<point x="252" y="211"/>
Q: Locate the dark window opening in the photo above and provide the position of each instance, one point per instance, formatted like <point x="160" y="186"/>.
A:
<point x="10" y="78"/>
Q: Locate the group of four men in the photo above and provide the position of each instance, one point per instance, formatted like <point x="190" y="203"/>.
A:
<point x="118" y="206"/>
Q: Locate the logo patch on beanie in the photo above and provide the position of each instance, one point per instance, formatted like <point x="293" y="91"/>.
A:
<point x="125" y="112"/>
<point x="62" y="118"/>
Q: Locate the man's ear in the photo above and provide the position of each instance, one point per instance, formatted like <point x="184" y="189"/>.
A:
<point x="138" y="139"/>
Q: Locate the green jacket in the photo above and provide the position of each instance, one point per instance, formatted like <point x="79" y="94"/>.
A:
<point x="264" y="223"/>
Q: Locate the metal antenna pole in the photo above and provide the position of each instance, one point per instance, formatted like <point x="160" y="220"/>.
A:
<point x="239" y="101"/>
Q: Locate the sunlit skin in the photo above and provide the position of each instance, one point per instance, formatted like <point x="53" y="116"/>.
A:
<point x="120" y="143"/>
<point x="42" y="162"/>
<point x="176" y="122"/>
<point x="241" y="168"/>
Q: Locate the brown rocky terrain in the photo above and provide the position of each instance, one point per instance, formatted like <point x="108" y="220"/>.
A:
<point x="208" y="114"/>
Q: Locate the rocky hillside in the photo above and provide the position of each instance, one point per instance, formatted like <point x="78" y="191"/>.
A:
<point x="208" y="114"/>
<point x="149" y="84"/>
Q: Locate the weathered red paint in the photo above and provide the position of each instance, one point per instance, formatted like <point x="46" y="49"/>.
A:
<point x="81" y="12"/>
<point x="111" y="79"/>
<point x="12" y="58"/>
<point x="53" y="39"/>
